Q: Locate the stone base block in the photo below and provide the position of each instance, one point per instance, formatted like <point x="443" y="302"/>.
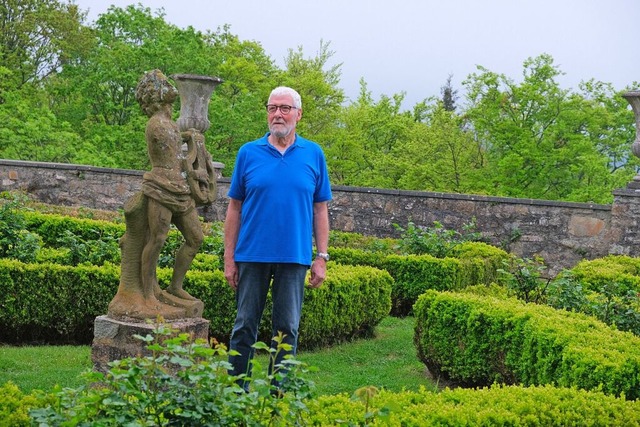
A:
<point x="114" y="339"/>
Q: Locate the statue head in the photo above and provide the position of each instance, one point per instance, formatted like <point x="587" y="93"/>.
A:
<point x="154" y="91"/>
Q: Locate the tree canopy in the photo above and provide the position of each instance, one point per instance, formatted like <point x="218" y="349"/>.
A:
<point x="67" y="95"/>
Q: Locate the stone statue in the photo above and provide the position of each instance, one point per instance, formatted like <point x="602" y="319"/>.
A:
<point x="182" y="176"/>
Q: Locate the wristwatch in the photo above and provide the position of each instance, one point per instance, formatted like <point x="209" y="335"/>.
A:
<point x="323" y="255"/>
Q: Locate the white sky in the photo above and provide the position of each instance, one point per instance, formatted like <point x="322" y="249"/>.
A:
<point x="412" y="46"/>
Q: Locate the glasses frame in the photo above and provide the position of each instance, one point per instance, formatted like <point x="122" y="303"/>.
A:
<point x="280" y="107"/>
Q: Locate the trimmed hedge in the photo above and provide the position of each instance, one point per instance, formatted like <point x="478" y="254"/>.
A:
<point x="39" y="302"/>
<point x="479" y="340"/>
<point x="51" y="227"/>
<point x="350" y="303"/>
<point x="596" y="274"/>
<point x="471" y="262"/>
<point x="478" y="263"/>
<point x="495" y="406"/>
<point x="57" y="303"/>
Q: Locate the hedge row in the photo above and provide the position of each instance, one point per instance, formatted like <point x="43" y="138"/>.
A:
<point x="473" y="263"/>
<point x="470" y="263"/>
<point x="51" y="227"/>
<point x="495" y="406"/>
<point x="57" y="303"/>
<point x="596" y="274"/>
<point x="479" y="340"/>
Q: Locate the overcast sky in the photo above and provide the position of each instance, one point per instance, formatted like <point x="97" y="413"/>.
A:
<point x="412" y="46"/>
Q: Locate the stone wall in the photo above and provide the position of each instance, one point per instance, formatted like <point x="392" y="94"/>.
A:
<point x="562" y="233"/>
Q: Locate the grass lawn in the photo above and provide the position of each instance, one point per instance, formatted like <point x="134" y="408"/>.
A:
<point x="387" y="361"/>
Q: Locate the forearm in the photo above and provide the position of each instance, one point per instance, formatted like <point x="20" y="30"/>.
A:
<point x="231" y="228"/>
<point x="321" y="226"/>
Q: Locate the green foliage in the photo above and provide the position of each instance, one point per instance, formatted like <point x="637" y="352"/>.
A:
<point x="66" y="95"/>
<point x="350" y="303"/>
<point x="483" y="261"/>
<point x="182" y="383"/>
<point x="606" y="288"/>
<point x="598" y="273"/>
<point x="436" y="240"/>
<point x="481" y="340"/>
<point x="57" y="303"/>
<point x="440" y="140"/>
<point x="541" y="141"/>
<point x="15" y="406"/>
<point x="53" y="303"/>
<point x="92" y="252"/>
<point x="38" y="37"/>
<point x="567" y="293"/>
<point x="15" y="241"/>
<point x="342" y="239"/>
<point x="524" y="278"/>
<point x="473" y="263"/>
<point x="54" y="227"/>
<point x="492" y="406"/>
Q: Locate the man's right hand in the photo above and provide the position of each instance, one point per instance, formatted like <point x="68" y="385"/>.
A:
<point x="231" y="273"/>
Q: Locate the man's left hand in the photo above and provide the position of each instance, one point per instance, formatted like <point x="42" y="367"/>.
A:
<point x="318" y="273"/>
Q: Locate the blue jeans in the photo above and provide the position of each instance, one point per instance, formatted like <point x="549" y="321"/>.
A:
<point x="287" y="292"/>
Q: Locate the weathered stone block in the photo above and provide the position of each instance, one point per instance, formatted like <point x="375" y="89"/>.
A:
<point x="115" y="339"/>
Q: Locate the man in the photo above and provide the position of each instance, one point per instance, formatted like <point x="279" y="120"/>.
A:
<point x="278" y="200"/>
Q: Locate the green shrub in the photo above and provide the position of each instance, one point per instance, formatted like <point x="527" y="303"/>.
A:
<point x="437" y="240"/>
<point x="524" y="278"/>
<point x="53" y="227"/>
<point x="53" y="303"/>
<point x="481" y="340"/>
<point x="414" y="274"/>
<point x="483" y="260"/>
<point x="58" y="304"/>
<point x="596" y="274"/>
<point x="182" y="383"/>
<point x="606" y="288"/>
<point x="15" y="406"/>
<point x="15" y="241"/>
<point x="349" y="304"/>
<point x="342" y="239"/>
<point x="495" y="406"/>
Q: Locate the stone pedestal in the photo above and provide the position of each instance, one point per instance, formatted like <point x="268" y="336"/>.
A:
<point x="114" y="339"/>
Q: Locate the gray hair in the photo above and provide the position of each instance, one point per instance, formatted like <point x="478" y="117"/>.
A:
<point x="284" y="90"/>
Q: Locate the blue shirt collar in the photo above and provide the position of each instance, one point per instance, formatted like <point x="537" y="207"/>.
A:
<point x="299" y="141"/>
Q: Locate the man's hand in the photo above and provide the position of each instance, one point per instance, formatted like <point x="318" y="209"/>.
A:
<point x="231" y="273"/>
<point x="318" y="273"/>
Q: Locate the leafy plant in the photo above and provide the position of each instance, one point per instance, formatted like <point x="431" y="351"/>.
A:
<point x="566" y="292"/>
<point x="436" y="240"/>
<point x="614" y="303"/>
<point x="104" y="248"/>
<point x="15" y="241"/>
<point x="182" y="382"/>
<point x="523" y="278"/>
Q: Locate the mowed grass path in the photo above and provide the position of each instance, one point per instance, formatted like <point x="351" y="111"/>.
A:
<point x="386" y="361"/>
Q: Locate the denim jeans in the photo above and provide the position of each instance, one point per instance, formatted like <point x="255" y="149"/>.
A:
<point x="287" y="292"/>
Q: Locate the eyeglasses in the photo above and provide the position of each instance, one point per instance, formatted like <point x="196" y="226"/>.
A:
<point x="284" y="109"/>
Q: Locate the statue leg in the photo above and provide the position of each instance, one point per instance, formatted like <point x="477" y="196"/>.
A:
<point x="190" y="227"/>
<point x="132" y="299"/>
<point x="159" y="220"/>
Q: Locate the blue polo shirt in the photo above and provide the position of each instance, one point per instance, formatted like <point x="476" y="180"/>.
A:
<point x="277" y="193"/>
